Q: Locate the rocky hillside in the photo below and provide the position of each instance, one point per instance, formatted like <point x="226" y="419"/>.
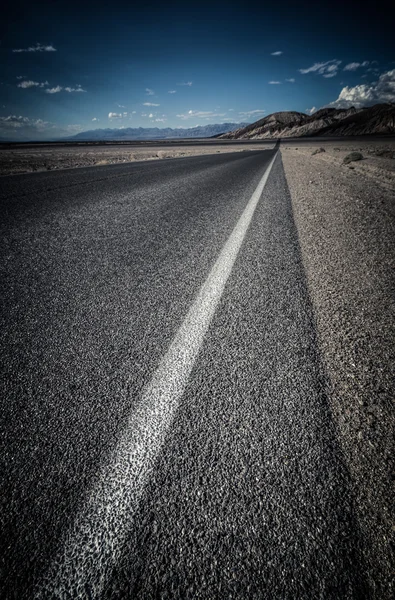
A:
<point x="378" y="119"/>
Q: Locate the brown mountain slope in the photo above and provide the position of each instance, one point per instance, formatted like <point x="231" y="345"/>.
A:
<point x="268" y="126"/>
<point x="378" y="119"/>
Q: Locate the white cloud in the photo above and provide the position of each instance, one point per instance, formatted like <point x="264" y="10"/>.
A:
<point x="121" y="106"/>
<point x="59" y="88"/>
<point x="277" y="53"/>
<point x="15" y="122"/>
<point x="366" y="94"/>
<point x="112" y="115"/>
<point x="21" y="76"/>
<point x="150" y="104"/>
<point x="95" y="119"/>
<point x="54" y="90"/>
<point x="252" y="113"/>
<point x="149" y="92"/>
<point x="352" y="66"/>
<point x="326" y="69"/>
<point x="73" y="128"/>
<point x="189" y="83"/>
<point x="292" y="80"/>
<point x="134" y="112"/>
<point x="200" y="114"/>
<point x="355" y="65"/>
<point x="37" y="48"/>
<point x="40" y="124"/>
<point x="310" y="111"/>
<point x="151" y="115"/>
<point x="274" y="82"/>
<point x="19" y="127"/>
<point x="77" y="89"/>
<point x="160" y="120"/>
<point x="172" y="92"/>
<point x="28" y="84"/>
<point x="331" y="71"/>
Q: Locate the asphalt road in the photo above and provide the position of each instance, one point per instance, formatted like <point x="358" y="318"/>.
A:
<point x="242" y="491"/>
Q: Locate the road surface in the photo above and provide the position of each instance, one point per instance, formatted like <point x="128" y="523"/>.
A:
<point x="165" y="426"/>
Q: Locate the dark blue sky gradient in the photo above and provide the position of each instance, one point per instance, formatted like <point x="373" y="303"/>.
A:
<point x="115" y="51"/>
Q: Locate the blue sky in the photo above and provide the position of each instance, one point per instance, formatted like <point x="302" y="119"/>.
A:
<point x="69" y="67"/>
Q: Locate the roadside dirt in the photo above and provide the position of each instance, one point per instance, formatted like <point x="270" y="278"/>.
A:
<point x="378" y="163"/>
<point x="346" y="225"/>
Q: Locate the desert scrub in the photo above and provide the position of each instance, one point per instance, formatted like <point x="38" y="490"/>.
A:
<point x="318" y="151"/>
<point x="353" y="156"/>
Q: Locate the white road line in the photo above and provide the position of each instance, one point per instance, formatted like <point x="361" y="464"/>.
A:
<point x="93" y="544"/>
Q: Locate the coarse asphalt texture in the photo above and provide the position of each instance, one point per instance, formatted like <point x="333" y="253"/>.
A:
<point x="249" y="497"/>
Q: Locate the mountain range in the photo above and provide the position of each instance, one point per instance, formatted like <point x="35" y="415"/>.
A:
<point x="331" y="122"/>
<point x="156" y="133"/>
<point x="378" y="119"/>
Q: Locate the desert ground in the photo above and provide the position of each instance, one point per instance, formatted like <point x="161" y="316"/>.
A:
<point x="345" y="216"/>
<point x="377" y="163"/>
<point x="29" y="159"/>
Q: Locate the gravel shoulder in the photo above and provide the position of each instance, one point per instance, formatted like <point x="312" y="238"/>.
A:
<point x="377" y="165"/>
<point x="346" y="225"/>
<point x="29" y="160"/>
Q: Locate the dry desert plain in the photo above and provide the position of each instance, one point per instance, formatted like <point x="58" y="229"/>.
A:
<point x="378" y="162"/>
<point x="26" y="158"/>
